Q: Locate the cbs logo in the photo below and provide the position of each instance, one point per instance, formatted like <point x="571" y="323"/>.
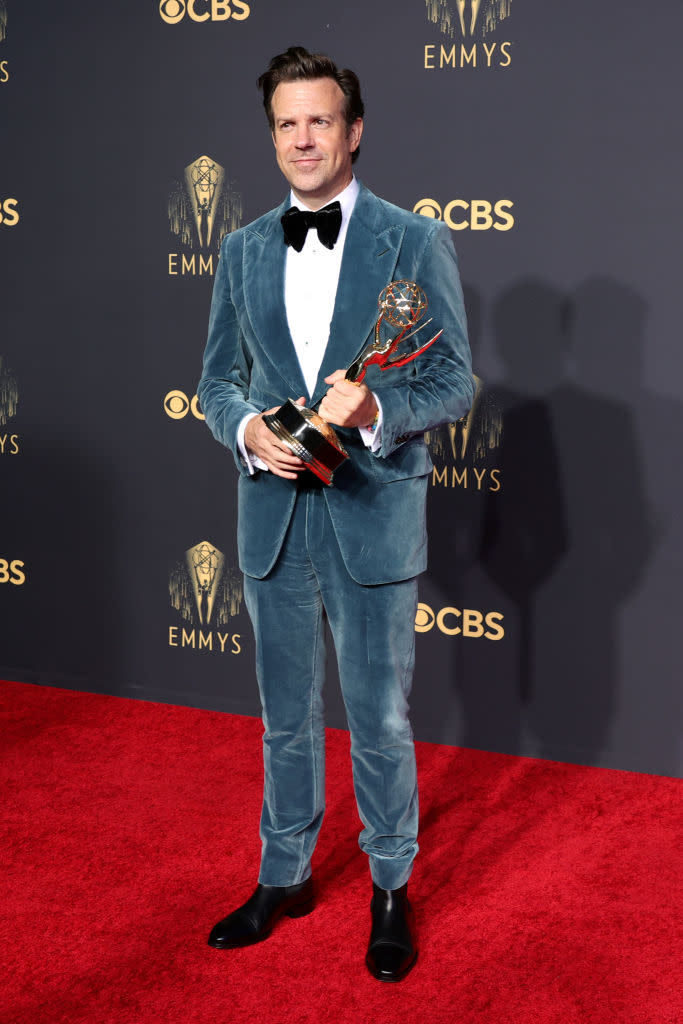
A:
<point x="454" y="622"/>
<point x="477" y="214"/>
<point x="12" y="572"/>
<point x="9" y="215"/>
<point x="177" y="405"/>
<point x="173" y="11"/>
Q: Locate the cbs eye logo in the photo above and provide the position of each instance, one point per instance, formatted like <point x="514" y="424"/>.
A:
<point x="173" y="11"/>
<point x="475" y="214"/>
<point x="177" y="405"/>
<point x="12" y="572"/>
<point x="454" y="622"/>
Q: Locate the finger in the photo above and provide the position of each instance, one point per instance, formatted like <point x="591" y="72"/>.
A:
<point x="335" y="417"/>
<point x="287" y="469"/>
<point x="277" y="453"/>
<point x="283" y="454"/>
<point x="339" y="405"/>
<point x="268" y="440"/>
<point x="337" y="398"/>
<point x="327" y="408"/>
<point x="285" y="474"/>
<point x="334" y="377"/>
<point x="347" y="388"/>
<point x="284" y="457"/>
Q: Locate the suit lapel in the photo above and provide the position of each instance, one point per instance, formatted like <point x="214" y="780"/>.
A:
<point x="371" y="251"/>
<point x="368" y="264"/>
<point x="264" y="294"/>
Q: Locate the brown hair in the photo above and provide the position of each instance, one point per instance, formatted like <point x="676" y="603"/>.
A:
<point x="295" y="64"/>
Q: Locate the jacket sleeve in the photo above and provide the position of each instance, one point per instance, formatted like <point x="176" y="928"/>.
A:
<point x="440" y="388"/>
<point x="223" y="389"/>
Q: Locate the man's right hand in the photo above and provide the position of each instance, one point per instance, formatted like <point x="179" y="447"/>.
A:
<point x="261" y="441"/>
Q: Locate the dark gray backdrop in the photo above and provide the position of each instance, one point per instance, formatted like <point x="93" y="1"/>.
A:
<point x="555" y="523"/>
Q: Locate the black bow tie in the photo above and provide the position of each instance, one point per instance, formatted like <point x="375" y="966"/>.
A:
<point x="296" y="222"/>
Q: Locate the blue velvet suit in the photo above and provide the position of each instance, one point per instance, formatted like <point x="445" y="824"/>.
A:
<point x="350" y="552"/>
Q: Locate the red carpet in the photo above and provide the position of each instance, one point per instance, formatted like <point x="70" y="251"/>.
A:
<point x="546" y="893"/>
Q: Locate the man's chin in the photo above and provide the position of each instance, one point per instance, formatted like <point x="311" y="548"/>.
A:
<point x="304" y="182"/>
<point x="308" y="192"/>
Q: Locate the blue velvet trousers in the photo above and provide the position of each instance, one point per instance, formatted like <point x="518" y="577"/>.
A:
<point x="374" y="638"/>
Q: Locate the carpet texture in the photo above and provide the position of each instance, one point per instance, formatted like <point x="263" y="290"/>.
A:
<point x="545" y="893"/>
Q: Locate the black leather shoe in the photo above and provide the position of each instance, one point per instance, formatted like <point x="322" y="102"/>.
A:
<point x="392" y="951"/>
<point x="253" y="922"/>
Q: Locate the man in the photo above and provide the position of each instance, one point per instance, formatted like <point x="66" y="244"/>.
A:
<point x="292" y="307"/>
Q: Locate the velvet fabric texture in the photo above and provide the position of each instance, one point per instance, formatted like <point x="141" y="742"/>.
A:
<point x="373" y="633"/>
<point x="352" y="550"/>
<point x="377" y="503"/>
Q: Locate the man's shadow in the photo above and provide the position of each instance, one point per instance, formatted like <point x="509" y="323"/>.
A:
<point x="599" y="698"/>
<point x="562" y="543"/>
<point x="500" y="530"/>
<point x="569" y="540"/>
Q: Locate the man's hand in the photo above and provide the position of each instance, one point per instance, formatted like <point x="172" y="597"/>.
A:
<point x="261" y="441"/>
<point x="347" y="404"/>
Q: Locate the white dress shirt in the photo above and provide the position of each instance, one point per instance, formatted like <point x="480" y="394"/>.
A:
<point x="311" y="280"/>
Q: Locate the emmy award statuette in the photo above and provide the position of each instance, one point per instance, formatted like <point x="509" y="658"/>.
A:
<point x="402" y="305"/>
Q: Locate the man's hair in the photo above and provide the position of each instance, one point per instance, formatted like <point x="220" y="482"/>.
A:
<point x="297" y="64"/>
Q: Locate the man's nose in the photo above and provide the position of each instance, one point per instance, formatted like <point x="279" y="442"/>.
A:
<point x="303" y="139"/>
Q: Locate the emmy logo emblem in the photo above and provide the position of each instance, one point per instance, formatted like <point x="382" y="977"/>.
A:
<point x="205" y="178"/>
<point x="402" y="305"/>
<point x="205" y="564"/>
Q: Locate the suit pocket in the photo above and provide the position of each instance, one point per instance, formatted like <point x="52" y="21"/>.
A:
<point x="410" y="460"/>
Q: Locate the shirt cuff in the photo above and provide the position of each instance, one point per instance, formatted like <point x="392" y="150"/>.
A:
<point x="252" y="462"/>
<point x="372" y="439"/>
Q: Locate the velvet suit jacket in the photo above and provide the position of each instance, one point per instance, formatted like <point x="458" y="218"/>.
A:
<point x="377" y="501"/>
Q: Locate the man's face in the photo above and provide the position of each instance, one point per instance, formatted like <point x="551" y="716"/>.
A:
<point x="313" y="142"/>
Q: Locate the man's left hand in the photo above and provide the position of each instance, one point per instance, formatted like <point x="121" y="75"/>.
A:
<point x="347" y="404"/>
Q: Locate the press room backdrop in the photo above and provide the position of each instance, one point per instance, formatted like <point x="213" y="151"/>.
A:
<point x="133" y="139"/>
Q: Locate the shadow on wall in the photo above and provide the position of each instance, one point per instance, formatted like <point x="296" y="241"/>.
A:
<point x="564" y="543"/>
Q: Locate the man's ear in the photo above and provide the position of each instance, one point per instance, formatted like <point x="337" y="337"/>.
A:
<point x="354" y="134"/>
